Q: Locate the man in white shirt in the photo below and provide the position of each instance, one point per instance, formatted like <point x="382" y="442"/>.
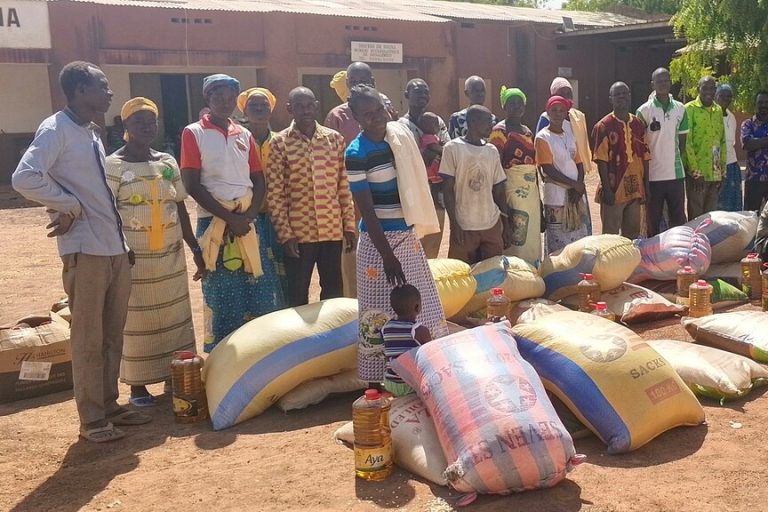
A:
<point x="666" y="125"/>
<point x="475" y="191"/>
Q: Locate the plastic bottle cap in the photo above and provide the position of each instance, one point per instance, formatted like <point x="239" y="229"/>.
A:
<point x="588" y="277"/>
<point x="184" y="354"/>
<point x="688" y="268"/>
<point x="752" y="255"/>
<point x="600" y="306"/>
<point x="701" y="282"/>
<point x="497" y="292"/>
<point x="372" y="394"/>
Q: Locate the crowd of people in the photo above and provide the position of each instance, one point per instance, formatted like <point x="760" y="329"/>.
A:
<point x="362" y="199"/>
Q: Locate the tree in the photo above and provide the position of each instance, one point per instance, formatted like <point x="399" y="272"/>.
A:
<point x="725" y="36"/>
<point x="650" y="6"/>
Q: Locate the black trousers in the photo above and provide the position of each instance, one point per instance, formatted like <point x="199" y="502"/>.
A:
<point x="327" y="257"/>
<point x="754" y="194"/>
<point x="671" y="193"/>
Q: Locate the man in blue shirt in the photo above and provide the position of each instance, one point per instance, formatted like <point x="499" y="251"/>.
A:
<point x="754" y="136"/>
<point x="63" y="169"/>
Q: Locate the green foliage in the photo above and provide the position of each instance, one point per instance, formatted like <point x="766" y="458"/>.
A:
<point x="725" y="35"/>
<point x="651" y="6"/>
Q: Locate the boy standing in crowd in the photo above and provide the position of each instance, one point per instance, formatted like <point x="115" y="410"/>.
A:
<point x="474" y="191"/>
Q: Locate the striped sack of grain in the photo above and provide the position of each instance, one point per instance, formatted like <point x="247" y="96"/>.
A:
<point x="496" y="425"/>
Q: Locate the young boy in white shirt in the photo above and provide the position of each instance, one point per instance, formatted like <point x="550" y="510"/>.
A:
<point x="474" y="191"/>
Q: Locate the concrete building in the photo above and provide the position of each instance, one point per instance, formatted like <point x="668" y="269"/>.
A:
<point x="162" y="49"/>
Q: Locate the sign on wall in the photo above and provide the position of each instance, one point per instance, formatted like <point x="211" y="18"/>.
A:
<point x="24" y="24"/>
<point x="389" y="53"/>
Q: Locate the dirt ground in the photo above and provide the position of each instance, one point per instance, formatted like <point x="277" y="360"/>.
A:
<point x="282" y="462"/>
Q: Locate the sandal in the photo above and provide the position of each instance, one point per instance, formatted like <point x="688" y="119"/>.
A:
<point x="142" y="401"/>
<point x="102" y="434"/>
<point x="128" y="417"/>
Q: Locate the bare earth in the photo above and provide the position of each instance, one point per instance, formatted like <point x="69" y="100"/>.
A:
<point x="290" y="462"/>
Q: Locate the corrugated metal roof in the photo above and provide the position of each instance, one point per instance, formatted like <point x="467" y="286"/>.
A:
<point x="491" y="12"/>
<point x="348" y="8"/>
<point x="404" y="10"/>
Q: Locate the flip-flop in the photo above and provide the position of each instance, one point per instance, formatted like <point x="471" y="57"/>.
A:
<point x="102" y="434"/>
<point x="142" y="401"/>
<point x="128" y="417"/>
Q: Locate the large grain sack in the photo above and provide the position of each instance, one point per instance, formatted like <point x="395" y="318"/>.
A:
<point x="611" y="259"/>
<point x="632" y="303"/>
<point x="523" y="199"/>
<point x="414" y="439"/>
<point x="533" y="311"/>
<point x="519" y="280"/>
<point x="496" y="425"/>
<point x="316" y="390"/>
<point x="614" y="382"/>
<point x="455" y="283"/>
<point x="253" y="367"/>
<point x="731" y="234"/>
<point x="663" y="255"/>
<point x="740" y="332"/>
<point x="711" y="372"/>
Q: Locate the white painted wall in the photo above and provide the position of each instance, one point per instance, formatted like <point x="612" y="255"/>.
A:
<point x="25" y="95"/>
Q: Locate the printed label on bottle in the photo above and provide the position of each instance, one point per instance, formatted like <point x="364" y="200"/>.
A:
<point x="373" y="459"/>
<point x="184" y="407"/>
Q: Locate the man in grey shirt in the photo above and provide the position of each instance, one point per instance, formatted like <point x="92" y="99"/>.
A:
<point x="63" y="169"/>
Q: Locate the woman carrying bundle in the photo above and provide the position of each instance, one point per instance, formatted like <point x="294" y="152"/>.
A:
<point x="565" y="204"/>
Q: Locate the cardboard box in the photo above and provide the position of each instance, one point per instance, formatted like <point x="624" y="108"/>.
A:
<point x="34" y="361"/>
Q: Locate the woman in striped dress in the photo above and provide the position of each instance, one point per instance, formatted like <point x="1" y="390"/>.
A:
<point x="389" y="252"/>
<point x="150" y="197"/>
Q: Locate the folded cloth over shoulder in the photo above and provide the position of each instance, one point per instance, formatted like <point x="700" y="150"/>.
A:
<point x="248" y="245"/>
<point x="412" y="184"/>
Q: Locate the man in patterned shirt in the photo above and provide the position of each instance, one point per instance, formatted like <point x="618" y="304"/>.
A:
<point x="308" y="195"/>
<point x="621" y="155"/>
<point x="754" y="136"/>
<point x="705" y="150"/>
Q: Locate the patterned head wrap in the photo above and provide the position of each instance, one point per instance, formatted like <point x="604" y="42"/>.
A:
<point x="136" y="105"/>
<point x="242" y="99"/>
<point x="505" y="94"/>
<point x="559" y="100"/>
<point x="339" y="84"/>
<point x="212" y="81"/>
<point x="558" y="83"/>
